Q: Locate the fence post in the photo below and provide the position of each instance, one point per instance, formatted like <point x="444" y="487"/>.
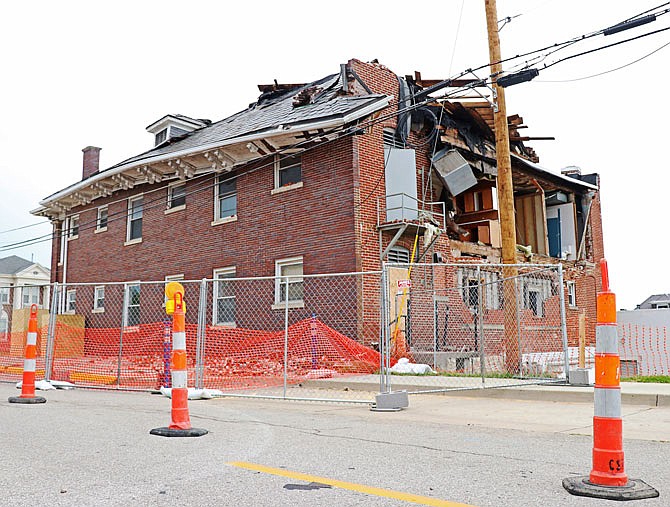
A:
<point x="564" y="328"/>
<point x="124" y="309"/>
<point x="517" y="309"/>
<point x="285" y="336"/>
<point x="200" y="337"/>
<point x="480" y="325"/>
<point x="384" y="345"/>
<point x="51" y="334"/>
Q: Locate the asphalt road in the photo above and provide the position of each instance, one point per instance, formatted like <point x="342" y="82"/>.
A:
<point x="90" y="447"/>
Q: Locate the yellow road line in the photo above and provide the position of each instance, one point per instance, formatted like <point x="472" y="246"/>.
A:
<point x="368" y="490"/>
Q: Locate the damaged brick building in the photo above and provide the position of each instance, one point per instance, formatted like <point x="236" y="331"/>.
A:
<point x="334" y="176"/>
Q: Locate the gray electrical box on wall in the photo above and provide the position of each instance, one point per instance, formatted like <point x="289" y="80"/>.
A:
<point x="454" y="171"/>
<point x="400" y="175"/>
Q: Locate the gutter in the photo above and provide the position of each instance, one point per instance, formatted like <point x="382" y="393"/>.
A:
<point x="280" y="130"/>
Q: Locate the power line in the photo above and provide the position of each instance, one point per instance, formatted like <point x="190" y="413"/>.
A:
<point x="607" y="71"/>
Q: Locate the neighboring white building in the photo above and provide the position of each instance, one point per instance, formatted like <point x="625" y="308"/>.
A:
<point x="21" y="284"/>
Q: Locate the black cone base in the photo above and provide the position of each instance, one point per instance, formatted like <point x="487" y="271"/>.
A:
<point x="169" y="432"/>
<point x="634" y="490"/>
<point x="27" y="401"/>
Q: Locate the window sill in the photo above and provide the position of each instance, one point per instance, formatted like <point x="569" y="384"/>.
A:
<point x="102" y="229"/>
<point x="98" y="310"/>
<point x="175" y="209"/>
<point x="73" y="237"/>
<point x="133" y="241"/>
<point x="69" y="312"/>
<point x="292" y="305"/>
<point x="286" y="188"/>
<point x="226" y="220"/>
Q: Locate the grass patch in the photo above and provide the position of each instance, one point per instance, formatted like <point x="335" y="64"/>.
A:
<point x="656" y="379"/>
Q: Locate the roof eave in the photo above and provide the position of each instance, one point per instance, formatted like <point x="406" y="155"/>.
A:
<point x="376" y="105"/>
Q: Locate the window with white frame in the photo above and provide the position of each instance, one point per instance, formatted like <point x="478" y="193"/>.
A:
<point x="225" y="202"/>
<point x="176" y="195"/>
<point x="572" y="293"/>
<point x="4" y="322"/>
<point x="288" y="170"/>
<point x="289" y="278"/>
<point x="99" y="298"/>
<point x="4" y="295"/>
<point x="101" y="221"/>
<point x="71" y="301"/>
<point x="535" y="293"/>
<point x="135" y="211"/>
<point x="30" y="296"/>
<point x="73" y="227"/>
<point x="472" y="281"/>
<point x="223" y="312"/>
<point x="131" y="314"/>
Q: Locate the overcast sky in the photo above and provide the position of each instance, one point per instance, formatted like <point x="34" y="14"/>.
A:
<point x="97" y="73"/>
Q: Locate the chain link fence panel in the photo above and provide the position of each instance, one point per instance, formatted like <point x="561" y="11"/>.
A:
<point x="15" y="303"/>
<point x="475" y="325"/>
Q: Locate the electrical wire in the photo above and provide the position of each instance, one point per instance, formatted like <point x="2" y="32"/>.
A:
<point x="605" y="47"/>
<point x="458" y="31"/>
<point x="554" y="47"/>
<point x="607" y="71"/>
<point x="24" y="227"/>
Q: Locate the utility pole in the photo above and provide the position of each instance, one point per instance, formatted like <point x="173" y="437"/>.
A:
<point x="505" y="194"/>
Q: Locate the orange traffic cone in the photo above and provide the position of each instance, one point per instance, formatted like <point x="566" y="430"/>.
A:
<point x="180" y="425"/>
<point x="28" y="386"/>
<point x="608" y="478"/>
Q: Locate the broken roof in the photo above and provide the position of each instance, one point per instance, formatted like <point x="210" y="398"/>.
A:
<point x="284" y="112"/>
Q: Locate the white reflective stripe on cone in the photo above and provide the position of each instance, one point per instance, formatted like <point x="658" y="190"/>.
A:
<point x="31" y="339"/>
<point x="607" y="402"/>
<point x="29" y="364"/>
<point x="179" y="340"/>
<point x="607" y="339"/>
<point x="179" y="379"/>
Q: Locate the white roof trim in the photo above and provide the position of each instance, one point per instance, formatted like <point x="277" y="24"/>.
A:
<point x="281" y="130"/>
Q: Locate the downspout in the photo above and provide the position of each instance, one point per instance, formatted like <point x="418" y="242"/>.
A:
<point x="64" y="235"/>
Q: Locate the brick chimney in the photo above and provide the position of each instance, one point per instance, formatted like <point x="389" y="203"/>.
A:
<point x="91" y="161"/>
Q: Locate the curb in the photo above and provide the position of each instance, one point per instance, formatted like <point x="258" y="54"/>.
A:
<point x="563" y="393"/>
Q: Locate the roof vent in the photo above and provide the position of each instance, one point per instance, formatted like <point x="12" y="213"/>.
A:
<point x="174" y="126"/>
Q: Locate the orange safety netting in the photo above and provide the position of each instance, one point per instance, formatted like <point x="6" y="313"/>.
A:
<point x="234" y="358"/>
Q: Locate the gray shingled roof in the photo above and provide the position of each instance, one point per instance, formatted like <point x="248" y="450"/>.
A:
<point x="267" y="115"/>
<point x="655" y="299"/>
<point x="13" y="264"/>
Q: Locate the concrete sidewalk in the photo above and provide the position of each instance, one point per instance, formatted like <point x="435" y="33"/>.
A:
<point x="632" y="393"/>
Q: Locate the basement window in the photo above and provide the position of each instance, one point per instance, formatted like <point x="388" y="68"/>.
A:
<point x="71" y="301"/>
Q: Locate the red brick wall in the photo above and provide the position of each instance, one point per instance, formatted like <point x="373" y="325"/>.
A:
<point x="315" y="221"/>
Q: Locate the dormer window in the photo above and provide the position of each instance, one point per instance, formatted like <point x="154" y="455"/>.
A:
<point x="174" y="125"/>
<point x="161" y="137"/>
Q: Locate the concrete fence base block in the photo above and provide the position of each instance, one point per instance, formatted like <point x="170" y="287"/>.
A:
<point x="634" y="490"/>
<point x="390" y="402"/>
<point x="169" y="432"/>
<point x="582" y="377"/>
<point x="27" y="401"/>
